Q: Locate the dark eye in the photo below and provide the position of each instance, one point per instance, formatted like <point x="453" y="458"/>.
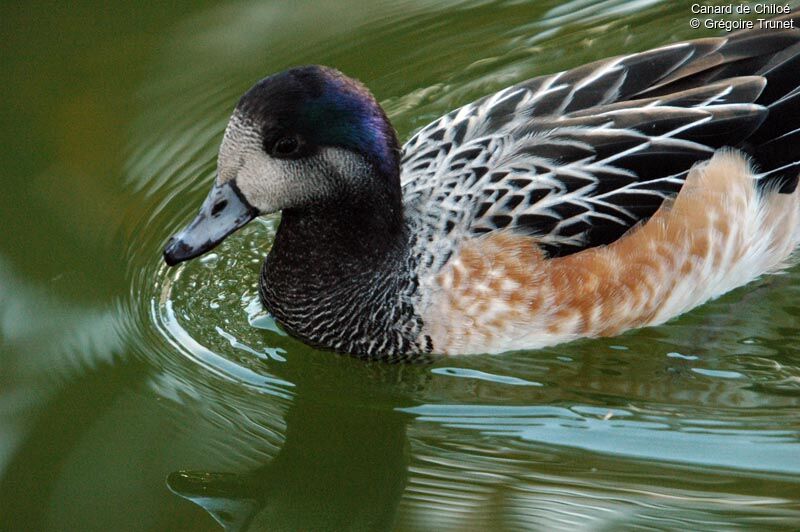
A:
<point x="285" y="147"/>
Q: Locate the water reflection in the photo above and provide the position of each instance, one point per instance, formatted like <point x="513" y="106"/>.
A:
<point x="338" y="469"/>
<point x="46" y="343"/>
<point x="461" y="483"/>
<point x="633" y="434"/>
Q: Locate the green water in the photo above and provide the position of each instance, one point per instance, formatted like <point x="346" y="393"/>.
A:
<point x="133" y="397"/>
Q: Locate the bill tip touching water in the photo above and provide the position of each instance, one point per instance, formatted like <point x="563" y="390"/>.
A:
<point x="616" y="195"/>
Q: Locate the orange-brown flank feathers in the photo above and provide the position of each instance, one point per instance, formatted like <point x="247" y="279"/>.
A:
<point x="500" y="293"/>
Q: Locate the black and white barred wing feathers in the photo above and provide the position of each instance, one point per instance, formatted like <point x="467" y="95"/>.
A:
<point x="579" y="157"/>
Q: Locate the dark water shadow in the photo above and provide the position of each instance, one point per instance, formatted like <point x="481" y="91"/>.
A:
<point x="358" y="463"/>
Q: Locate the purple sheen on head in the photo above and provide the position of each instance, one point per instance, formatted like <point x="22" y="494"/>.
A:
<point x="328" y="109"/>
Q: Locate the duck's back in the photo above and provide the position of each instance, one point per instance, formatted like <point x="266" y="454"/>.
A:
<point x="578" y="157"/>
<point x="556" y="166"/>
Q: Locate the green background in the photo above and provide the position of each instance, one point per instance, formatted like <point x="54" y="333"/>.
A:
<point x="133" y="397"/>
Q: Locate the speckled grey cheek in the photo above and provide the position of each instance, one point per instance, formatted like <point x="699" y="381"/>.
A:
<point x="270" y="184"/>
<point x="242" y="139"/>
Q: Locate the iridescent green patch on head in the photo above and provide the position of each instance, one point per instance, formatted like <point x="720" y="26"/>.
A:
<point x="327" y="109"/>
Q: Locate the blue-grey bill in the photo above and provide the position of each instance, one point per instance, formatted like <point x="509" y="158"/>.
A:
<point x="223" y="212"/>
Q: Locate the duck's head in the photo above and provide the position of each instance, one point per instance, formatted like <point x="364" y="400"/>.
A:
<point x="306" y="138"/>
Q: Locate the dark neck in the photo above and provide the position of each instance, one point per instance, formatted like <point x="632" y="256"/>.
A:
<point x="336" y="276"/>
<point x="352" y="230"/>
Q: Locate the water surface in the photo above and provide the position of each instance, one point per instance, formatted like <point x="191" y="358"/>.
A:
<point x="137" y="397"/>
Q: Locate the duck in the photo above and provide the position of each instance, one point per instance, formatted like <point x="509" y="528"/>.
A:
<point x="581" y="204"/>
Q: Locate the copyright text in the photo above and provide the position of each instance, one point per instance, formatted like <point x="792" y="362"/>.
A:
<point x="712" y="20"/>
